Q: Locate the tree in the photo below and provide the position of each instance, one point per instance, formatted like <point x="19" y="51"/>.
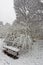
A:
<point x="29" y="11"/>
<point x="25" y="9"/>
<point x="1" y="23"/>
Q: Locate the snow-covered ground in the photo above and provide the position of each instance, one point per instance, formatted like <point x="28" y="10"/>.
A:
<point x="33" y="57"/>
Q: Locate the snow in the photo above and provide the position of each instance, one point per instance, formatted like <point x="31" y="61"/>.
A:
<point x="33" y="57"/>
<point x="12" y="48"/>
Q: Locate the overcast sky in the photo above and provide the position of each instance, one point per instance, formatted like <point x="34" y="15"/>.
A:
<point x="7" y="13"/>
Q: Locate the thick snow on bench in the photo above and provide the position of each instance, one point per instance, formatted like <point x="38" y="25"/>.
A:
<point x="12" y="48"/>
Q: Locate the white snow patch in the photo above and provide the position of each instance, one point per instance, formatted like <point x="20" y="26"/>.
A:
<point x="33" y="57"/>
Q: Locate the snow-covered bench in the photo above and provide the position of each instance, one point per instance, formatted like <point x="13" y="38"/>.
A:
<point x="11" y="50"/>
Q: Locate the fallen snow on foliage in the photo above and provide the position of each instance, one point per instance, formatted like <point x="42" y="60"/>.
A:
<point x="33" y="57"/>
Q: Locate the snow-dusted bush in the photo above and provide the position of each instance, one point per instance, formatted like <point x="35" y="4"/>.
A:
<point x="20" y="40"/>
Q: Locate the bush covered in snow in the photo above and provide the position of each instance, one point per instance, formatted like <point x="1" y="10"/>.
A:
<point x="21" y="41"/>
